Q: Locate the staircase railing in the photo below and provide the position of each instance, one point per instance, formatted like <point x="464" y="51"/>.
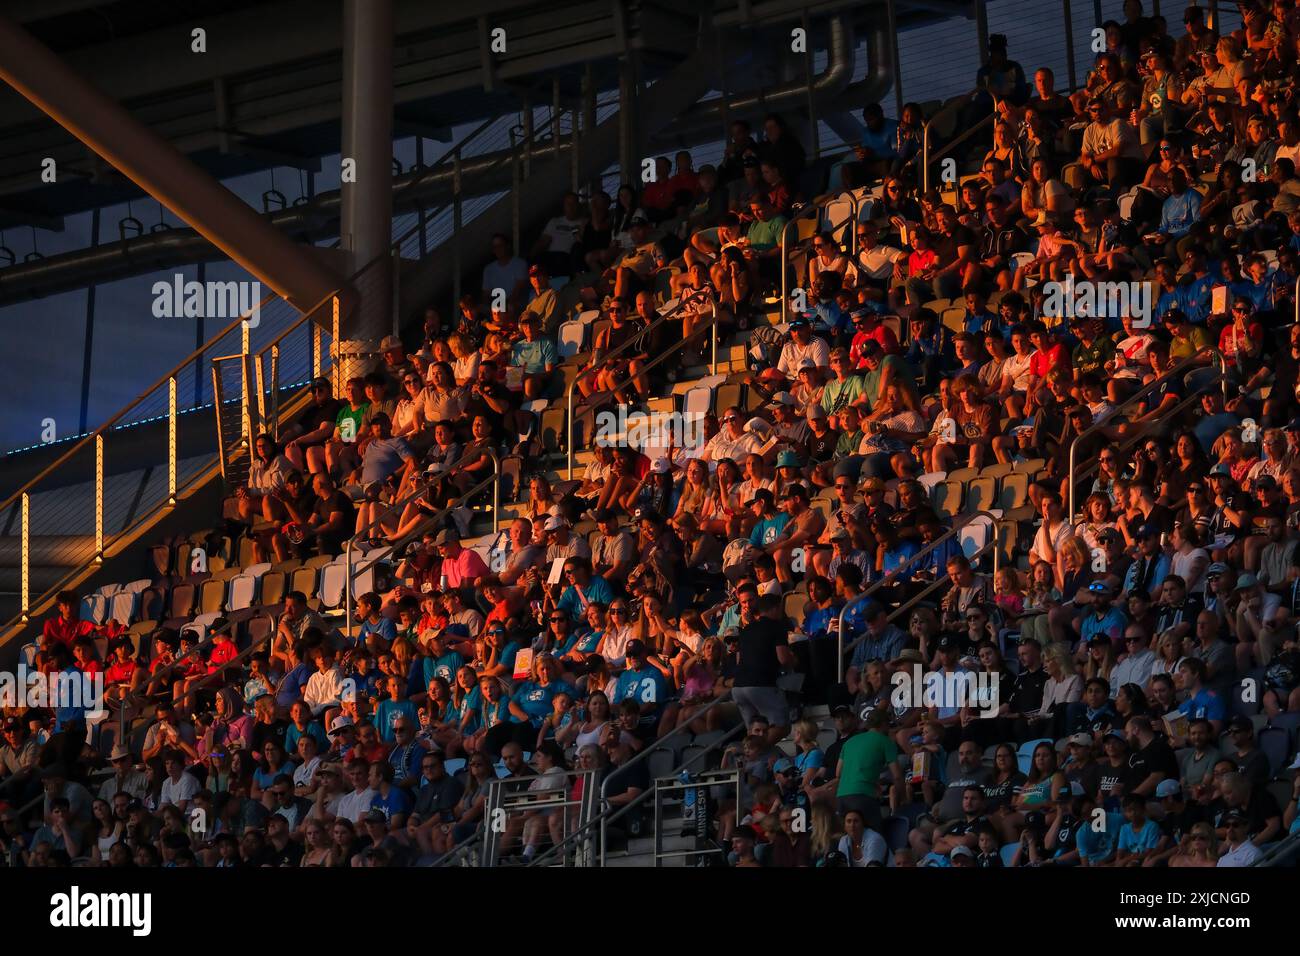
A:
<point x="925" y="552"/>
<point x="628" y="346"/>
<point x="494" y="479"/>
<point x="54" y="516"/>
<point x="1181" y="368"/>
<point x="609" y="814"/>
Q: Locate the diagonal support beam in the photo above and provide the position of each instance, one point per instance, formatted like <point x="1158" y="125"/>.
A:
<point x="155" y="166"/>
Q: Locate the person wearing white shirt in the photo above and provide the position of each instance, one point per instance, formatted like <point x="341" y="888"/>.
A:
<point x="1136" y="667"/>
<point x="731" y="441"/>
<point x="875" y="260"/>
<point x="1240" y="850"/>
<point x="324" y="688"/>
<point x="802" y="345"/>
<point x="180" y="787"/>
<point x="354" y="805"/>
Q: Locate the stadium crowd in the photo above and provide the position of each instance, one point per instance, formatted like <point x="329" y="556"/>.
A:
<point x="1140" y="655"/>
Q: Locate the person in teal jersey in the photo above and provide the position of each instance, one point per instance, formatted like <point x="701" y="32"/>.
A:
<point x="396" y="705"/>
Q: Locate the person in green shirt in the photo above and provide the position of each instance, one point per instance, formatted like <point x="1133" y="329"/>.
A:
<point x="1094" y="349"/>
<point x="341" y="455"/>
<point x="1187" y="339"/>
<point x="764" y="235"/>
<point x="882" y="371"/>
<point x="845" y="388"/>
<point x="863" y="759"/>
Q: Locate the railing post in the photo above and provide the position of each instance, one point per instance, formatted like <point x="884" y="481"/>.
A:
<point x="514" y="193"/>
<point x="316" y="334"/>
<point x="274" y="424"/>
<point x="785" y="274"/>
<point x="347" y="590"/>
<point x="336" y="364"/>
<point x="25" y="585"/>
<point x="575" y="148"/>
<point x="456" y="223"/>
<point x="1069" y="43"/>
<point x="896" y="63"/>
<point x="99" y="498"/>
<point x="496" y="492"/>
<point x="245" y="385"/>
<point x="171" y="440"/>
<point x="925" y="157"/>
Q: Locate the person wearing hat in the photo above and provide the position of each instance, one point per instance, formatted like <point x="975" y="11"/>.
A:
<point x="1244" y="752"/>
<point x="802" y="345"/>
<point x="635" y="270"/>
<point x="844" y="387"/>
<point x="305" y="438"/>
<point x="19" y="758"/>
<point x="460" y="566"/>
<point x="788" y="426"/>
<point x="1152" y="565"/>
<point x="800" y="533"/>
<point x="535" y="357"/>
<point x="1239" y="848"/>
<point x="768" y="522"/>
<point x="613" y="553"/>
<point x="126" y="778"/>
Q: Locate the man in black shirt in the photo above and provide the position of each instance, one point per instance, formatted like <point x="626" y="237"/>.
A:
<point x="333" y="519"/>
<point x="1152" y="759"/>
<point x="437" y="793"/>
<point x="764" y="651"/>
<point x="1026" y="691"/>
<point x="313" y="428"/>
<point x="1177" y="611"/>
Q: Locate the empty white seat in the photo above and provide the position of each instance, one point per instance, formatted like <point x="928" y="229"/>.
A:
<point x="243" y="590"/>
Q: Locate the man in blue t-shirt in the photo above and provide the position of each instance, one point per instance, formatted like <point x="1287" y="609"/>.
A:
<point x="1139" y="837"/>
<point x="643" y="683"/>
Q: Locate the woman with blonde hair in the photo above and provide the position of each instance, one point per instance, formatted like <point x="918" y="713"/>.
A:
<point x="1063" y="687"/>
<point x="466" y="359"/>
<point x="1200" y="848"/>
<point x="824" y="831"/>
<point x="695" y="489"/>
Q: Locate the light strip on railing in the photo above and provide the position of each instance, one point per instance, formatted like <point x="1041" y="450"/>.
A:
<point x="99" y="498"/>
<point x="26" y="556"/>
<point x="171" y="440"/>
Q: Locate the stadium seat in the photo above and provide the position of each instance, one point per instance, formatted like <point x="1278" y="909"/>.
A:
<point x="946" y="498"/>
<point x="1025" y="755"/>
<point x="1008" y="853"/>
<point x="571" y="338"/>
<point x="1275" y="743"/>
<point x="981" y="494"/>
<point x="1014" y="492"/>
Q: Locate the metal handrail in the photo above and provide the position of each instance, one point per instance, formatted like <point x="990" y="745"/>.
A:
<point x="494" y="479"/>
<point x="924" y="552"/>
<point x="927" y="160"/>
<point x="801" y="213"/>
<point x="934" y="585"/>
<point x="630" y="343"/>
<point x="1178" y="369"/>
<point x="103" y="429"/>
<point x="608" y="812"/>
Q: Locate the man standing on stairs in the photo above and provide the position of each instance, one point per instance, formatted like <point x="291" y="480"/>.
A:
<point x="764" y="652"/>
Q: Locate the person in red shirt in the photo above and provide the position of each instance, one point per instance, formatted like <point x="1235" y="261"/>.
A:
<point x="223" y="651"/>
<point x="868" y="328"/>
<point x="123" y="674"/>
<point x="1051" y="354"/>
<point x="85" y="658"/>
<point x="65" y="627"/>
<point x="685" y="179"/>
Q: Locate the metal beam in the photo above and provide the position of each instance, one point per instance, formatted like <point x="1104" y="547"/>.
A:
<point x="153" y="164"/>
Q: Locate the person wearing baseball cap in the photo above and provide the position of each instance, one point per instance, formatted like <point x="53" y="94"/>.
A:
<point x="802" y="347"/>
<point x="535" y="354"/>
